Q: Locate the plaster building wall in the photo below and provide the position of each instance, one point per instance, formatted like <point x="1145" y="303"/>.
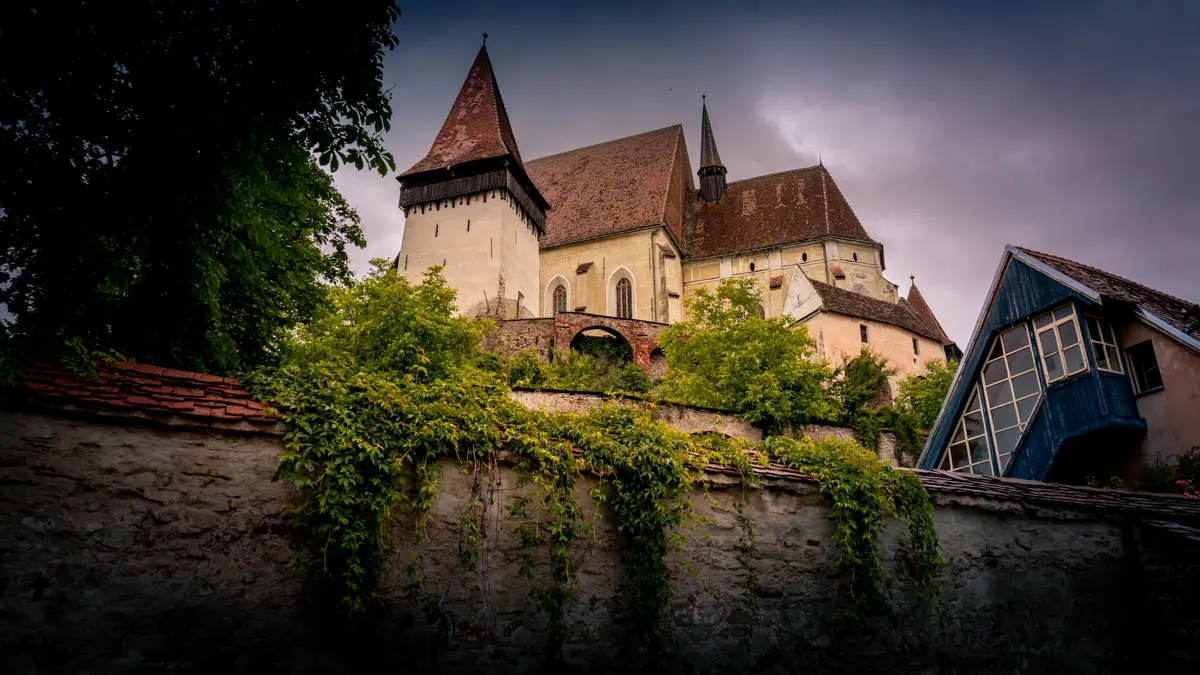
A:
<point x="591" y="291"/>
<point x="838" y="337"/>
<point x="136" y="548"/>
<point x="1171" y="414"/>
<point x="480" y="242"/>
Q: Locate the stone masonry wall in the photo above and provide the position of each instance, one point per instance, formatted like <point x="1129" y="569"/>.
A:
<point x="128" y="547"/>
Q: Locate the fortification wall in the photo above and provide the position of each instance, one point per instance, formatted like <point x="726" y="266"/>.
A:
<point x="135" y="546"/>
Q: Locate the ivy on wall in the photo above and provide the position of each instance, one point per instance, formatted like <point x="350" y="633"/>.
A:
<point x="374" y="414"/>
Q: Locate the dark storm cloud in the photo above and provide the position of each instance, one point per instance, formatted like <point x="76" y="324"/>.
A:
<point x="952" y="131"/>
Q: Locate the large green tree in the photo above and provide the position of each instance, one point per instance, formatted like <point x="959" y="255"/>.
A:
<point x="159" y="194"/>
<point x="725" y="356"/>
<point x="921" y="397"/>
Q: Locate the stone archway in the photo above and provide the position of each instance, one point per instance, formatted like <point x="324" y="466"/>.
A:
<point x="642" y="336"/>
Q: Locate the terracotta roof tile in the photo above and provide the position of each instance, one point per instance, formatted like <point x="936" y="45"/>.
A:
<point x="849" y="303"/>
<point x="477" y="126"/>
<point x="776" y="281"/>
<point x="608" y="188"/>
<point x="1180" y="314"/>
<point x="780" y="208"/>
<point x="917" y="304"/>
<point x="150" y="390"/>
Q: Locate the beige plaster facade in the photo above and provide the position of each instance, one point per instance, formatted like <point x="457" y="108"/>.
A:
<point x="488" y="247"/>
<point x="1172" y="413"/>
<point x="839" y="337"/>
<point x="638" y="256"/>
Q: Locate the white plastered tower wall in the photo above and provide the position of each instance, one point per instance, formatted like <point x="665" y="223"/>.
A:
<point x="488" y="247"/>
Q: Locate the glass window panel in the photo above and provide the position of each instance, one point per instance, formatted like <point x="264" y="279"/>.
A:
<point x="1054" y="369"/>
<point x="1062" y="313"/>
<point x="1015" y="338"/>
<point x="945" y="465"/>
<point x="1110" y="335"/>
<point x="1075" y="360"/>
<point x="1048" y="342"/>
<point x="960" y="435"/>
<point x="1043" y="320"/>
<point x="984" y="469"/>
<point x="1024" y="385"/>
<point x="1067" y="333"/>
<point x="974" y="424"/>
<point x="994" y="372"/>
<point x="999" y="393"/>
<point x="959" y="456"/>
<point x="1004" y="416"/>
<point x="1025" y="408"/>
<point x="1114" y="357"/>
<point x="1020" y="361"/>
<point x="979" y="450"/>
<point x="973" y="402"/>
<point x="1102" y="359"/>
<point x="1094" y="328"/>
<point x="1006" y="441"/>
<point x="997" y="351"/>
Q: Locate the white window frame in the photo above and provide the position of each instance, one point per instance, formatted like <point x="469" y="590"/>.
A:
<point x="864" y="334"/>
<point x="1107" y="343"/>
<point x="613" y="279"/>
<point x="961" y="425"/>
<point x="1055" y="325"/>
<point x="1134" y="369"/>
<point x="1007" y="381"/>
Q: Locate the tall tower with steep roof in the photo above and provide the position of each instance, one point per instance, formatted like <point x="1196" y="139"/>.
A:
<point x="712" y="171"/>
<point x="471" y="208"/>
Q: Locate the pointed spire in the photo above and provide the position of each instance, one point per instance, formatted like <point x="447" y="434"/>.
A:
<point x="712" y="171"/>
<point x="477" y="126"/>
<point x="917" y="302"/>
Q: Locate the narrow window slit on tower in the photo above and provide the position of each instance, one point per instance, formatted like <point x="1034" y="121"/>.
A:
<point x="406" y="263"/>
<point x="435" y="229"/>
<point x="468" y="225"/>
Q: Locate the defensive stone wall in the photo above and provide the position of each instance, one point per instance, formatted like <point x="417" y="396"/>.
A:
<point x="158" y="543"/>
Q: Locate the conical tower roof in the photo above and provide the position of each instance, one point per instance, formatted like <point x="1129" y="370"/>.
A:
<point x="708" y="144"/>
<point x="918" y="304"/>
<point x="477" y="127"/>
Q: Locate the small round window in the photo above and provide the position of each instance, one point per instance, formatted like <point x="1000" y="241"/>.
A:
<point x="855" y="256"/>
<point x="803" y="257"/>
<point x="751" y="267"/>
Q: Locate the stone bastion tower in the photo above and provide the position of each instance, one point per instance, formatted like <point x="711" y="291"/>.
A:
<point x="470" y="207"/>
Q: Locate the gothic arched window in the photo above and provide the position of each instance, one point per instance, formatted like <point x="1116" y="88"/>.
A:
<point x="762" y="312"/>
<point x="624" y="299"/>
<point x="560" y="298"/>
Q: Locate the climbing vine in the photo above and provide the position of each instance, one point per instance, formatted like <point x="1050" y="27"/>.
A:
<point x="374" y="414"/>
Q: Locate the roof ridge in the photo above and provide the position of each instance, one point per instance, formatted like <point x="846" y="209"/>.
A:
<point x="1106" y="273"/>
<point x="499" y="105"/>
<point x="613" y="140"/>
<point x="670" y="174"/>
<point x="773" y="174"/>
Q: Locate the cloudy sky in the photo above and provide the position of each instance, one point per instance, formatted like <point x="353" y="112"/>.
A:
<point x="952" y="130"/>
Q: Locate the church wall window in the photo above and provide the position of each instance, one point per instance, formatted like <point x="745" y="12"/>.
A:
<point x="1058" y="340"/>
<point x="968" y="450"/>
<point x="916" y="347"/>
<point x="560" y="298"/>
<point x="624" y="299"/>
<point x="804" y="257"/>
<point x="762" y="312"/>
<point x="1012" y="390"/>
<point x="862" y="333"/>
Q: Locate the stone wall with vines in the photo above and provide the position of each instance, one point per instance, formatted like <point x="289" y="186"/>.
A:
<point x="132" y="548"/>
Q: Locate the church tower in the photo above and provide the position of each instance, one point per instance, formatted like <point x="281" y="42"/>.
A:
<point x="470" y="207"/>
<point x="712" y="171"/>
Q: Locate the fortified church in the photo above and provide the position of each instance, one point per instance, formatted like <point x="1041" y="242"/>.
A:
<point x="619" y="229"/>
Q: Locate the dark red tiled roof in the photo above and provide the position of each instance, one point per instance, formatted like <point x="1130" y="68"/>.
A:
<point x="780" y="208"/>
<point x="608" y="188"/>
<point x="125" y="388"/>
<point x="1180" y="314"/>
<point x="849" y="303"/>
<point x="916" y="302"/>
<point x="776" y="281"/>
<point x="477" y="126"/>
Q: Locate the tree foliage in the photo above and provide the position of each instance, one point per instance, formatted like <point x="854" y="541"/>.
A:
<point x="159" y="194"/>
<point x="921" y="398"/>
<point x="860" y="381"/>
<point x="725" y="356"/>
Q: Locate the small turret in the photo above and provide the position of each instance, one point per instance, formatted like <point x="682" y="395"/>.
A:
<point x="712" y="171"/>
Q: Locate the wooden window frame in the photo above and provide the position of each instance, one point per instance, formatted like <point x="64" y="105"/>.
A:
<point x="1109" y="348"/>
<point x="1135" y="369"/>
<point x="1055" y="325"/>
<point x="916" y="347"/>
<point x="961" y="425"/>
<point x="1007" y="382"/>
<point x="863" y="334"/>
